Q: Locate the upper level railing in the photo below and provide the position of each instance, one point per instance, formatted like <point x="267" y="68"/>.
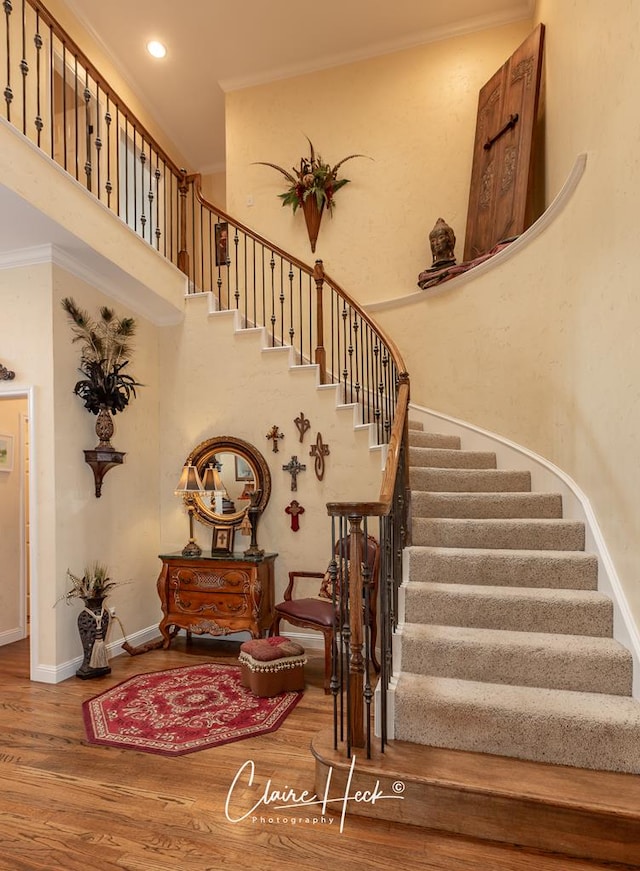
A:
<point x="57" y="98"/>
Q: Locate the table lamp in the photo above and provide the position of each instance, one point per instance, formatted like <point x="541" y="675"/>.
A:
<point x="190" y="486"/>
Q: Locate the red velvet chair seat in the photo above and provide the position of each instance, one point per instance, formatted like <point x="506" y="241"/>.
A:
<point x="317" y="613"/>
<point x="309" y="610"/>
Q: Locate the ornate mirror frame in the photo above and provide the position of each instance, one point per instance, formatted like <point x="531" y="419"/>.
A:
<point x="206" y="452"/>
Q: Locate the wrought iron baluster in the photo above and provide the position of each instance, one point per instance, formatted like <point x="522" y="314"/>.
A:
<point x="8" y="92"/>
<point x="282" y="299"/>
<point x="24" y="68"/>
<point x="88" y="131"/>
<point x="98" y="143"/>
<point x="158" y="175"/>
<point x="37" y="41"/>
<point x="292" y="331"/>
<point x="76" y="132"/>
<point x="108" y="186"/>
<point x="272" y="267"/>
<point x="52" y="107"/>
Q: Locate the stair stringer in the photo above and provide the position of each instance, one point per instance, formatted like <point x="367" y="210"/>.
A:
<point x="545" y="477"/>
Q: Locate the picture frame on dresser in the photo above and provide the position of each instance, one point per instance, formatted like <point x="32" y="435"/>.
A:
<point x="222" y="541"/>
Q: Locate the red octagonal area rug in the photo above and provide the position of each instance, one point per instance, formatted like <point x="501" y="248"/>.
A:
<point x="183" y="709"/>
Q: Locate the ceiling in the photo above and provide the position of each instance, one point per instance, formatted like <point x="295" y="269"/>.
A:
<point x="215" y="46"/>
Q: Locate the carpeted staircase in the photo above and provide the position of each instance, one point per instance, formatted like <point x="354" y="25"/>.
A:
<point x="505" y="645"/>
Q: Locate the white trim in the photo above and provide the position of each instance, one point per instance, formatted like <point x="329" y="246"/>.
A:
<point x="545" y="476"/>
<point x="411" y="40"/>
<point x="11" y="635"/>
<point x="22" y="623"/>
<point x="548" y="217"/>
<point x="28" y="393"/>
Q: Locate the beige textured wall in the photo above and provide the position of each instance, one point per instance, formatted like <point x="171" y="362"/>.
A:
<point x="214" y="189"/>
<point x="217" y="382"/>
<point x="544" y="350"/>
<point x="121" y="528"/>
<point x="413" y="112"/>
<point x="11" y="520"/>
<point x="70" y="526"/>
<point x="27" y="347"/>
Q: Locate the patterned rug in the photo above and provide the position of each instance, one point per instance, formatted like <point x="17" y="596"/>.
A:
<point x="181" y="710"/>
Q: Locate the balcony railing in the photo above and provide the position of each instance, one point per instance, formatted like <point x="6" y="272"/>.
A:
<point x="57" y="98"/>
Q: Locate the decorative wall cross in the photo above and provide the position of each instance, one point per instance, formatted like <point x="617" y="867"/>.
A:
<point x="302" y="424"/>
<point x="295" y="509"/>
<point x="274" y="434"/>
<point x="6" y="374"/>
<point x="294" y="467"/>
<point x="319" y="451"/>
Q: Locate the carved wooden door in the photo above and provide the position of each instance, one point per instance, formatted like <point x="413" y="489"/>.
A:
<point x="503" y="149"/>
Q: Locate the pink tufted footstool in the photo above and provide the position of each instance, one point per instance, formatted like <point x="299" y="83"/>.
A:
<point x="269" y="666"/>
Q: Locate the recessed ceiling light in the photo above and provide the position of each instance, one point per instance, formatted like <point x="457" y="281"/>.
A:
<point x="155" y="48"/>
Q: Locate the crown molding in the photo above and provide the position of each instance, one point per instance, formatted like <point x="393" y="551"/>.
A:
<point x="424" y="37"/>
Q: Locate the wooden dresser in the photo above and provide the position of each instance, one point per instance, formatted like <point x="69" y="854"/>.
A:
<point x="216" y="595"/>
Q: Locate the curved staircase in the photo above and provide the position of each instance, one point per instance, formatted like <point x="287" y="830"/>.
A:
<point x="510" y="709"/>
<point x="505" y="644"/>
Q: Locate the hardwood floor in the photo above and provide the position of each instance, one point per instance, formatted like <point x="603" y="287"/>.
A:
<point x="66" y="805"/>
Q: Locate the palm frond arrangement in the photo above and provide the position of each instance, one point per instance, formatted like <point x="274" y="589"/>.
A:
<point x="314" y="178"/>
<point x="95" y="583"/>
<point x="106" y="347"/>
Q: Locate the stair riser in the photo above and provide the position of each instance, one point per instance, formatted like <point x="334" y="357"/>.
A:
<point x="483" y="505"/>
<point x="469" y="480"/>
<point x="501" y="534"/>
<point x="564" y="619"/>
<point x="451" y="459"/>
<point x="518" y="666"/>
<point x="569" y="571"/>
<point x="433" y="440"/>
<point x="443" y="721"/>
<point x="493" y="810"/>
<point x="519" y="615"/>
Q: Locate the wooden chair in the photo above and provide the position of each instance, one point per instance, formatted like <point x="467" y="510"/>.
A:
<point x="317" y="613"/>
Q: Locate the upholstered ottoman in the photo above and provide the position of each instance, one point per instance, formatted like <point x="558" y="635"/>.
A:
<point x="269" y="666"/>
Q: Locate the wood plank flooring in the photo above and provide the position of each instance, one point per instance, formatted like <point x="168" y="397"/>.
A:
<point x="66" y="805"/>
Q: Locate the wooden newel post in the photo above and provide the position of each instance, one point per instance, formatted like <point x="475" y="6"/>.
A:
<point x="356" y="659"/>
<point x="321" y="354"/>
<point x="183" y="254"/>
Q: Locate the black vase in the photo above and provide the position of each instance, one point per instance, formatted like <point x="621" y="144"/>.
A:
<point x="93" y="622"/>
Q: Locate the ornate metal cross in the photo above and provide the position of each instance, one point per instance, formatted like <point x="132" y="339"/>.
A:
<point x="319" y="451"/>
<point x="294" y="467"/>
<point x="274" y="434"/>
<point x="294" y="509"/>
<point x="303" y="424"/>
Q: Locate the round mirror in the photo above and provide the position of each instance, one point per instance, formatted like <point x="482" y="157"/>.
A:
<point x="231" y="470"/>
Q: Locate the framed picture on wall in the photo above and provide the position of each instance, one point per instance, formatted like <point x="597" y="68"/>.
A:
<point x="244" y="472"/>
<point x="222" y="539"/>
<point x="6" y="453"/>
<point x="221" y="232"/>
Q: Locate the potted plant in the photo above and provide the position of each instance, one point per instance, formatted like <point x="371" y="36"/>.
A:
<point x="313" y="187"/>
<point x="93" y="621"/>
<point x="106" y="388"/>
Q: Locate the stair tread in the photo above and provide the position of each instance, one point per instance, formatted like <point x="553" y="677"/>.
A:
<point x="505" y="533"/>
<point x="485" y="505"/>
<point x="548" y="641"/>
<point x="485" y="591"/>
<point x="543" y="659"/>
<point x="457" y="479"/>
